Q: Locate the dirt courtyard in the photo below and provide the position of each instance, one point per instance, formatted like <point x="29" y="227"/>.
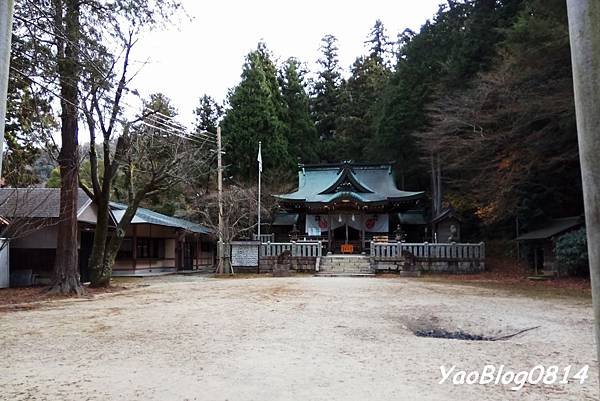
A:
<point x="298" y="338"/>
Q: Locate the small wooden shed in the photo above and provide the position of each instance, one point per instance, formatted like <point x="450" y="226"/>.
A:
<point x="540" y="242"/>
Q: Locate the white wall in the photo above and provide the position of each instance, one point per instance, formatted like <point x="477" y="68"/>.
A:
<point x="4" y="264"/>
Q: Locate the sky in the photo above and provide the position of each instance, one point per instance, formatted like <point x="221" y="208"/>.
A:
<point x="204" y="52"/>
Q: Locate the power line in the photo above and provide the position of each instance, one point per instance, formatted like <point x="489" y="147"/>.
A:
<point x="191" y="139"/>
<point x="180" y="133"/>
<point x="166" y="120"/>
<point x="182" y="130"/>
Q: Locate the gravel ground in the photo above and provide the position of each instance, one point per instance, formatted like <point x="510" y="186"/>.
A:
<point x="298" y="338"/>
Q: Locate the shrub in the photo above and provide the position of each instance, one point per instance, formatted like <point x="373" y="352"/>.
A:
<point x="571" y="252"/>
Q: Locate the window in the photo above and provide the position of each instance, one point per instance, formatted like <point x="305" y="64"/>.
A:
<point x="150" y="248"/>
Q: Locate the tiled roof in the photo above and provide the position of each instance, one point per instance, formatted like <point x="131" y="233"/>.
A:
<point x="415" y="217"/>
<point x="552" y="228"/>
<point x="285" y="219"/>
<point x="35" y="202"/>
<point x="147" y="216"/>
<point x="366" y="183"/>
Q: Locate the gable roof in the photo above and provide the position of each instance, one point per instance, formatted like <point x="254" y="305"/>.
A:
<point x="147" y="216"/>
<point x="447" y="214"/>
<point x="36" y="202"/>
<point x="365" y="183"/>
<point x="552" y="228"/>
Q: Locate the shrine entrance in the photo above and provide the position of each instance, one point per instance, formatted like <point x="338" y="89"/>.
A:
<point x="346" y="235"/>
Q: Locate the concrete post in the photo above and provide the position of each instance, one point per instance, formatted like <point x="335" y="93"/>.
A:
<point x="6" y="18"/>
<point x="584" y="30"/>
<point x="221" y="245"/>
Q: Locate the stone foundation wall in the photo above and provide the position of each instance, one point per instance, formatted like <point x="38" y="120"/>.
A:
<point x="453" y="267"/>
<point x="429" y="266"/>
<point x="297" y="263"/>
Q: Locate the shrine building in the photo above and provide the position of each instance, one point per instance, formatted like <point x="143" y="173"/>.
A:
<point x="347" y="205"/>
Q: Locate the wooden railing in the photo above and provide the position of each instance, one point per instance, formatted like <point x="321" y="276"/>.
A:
<point x="298" y="249"/>
<point x="454" y="251"/>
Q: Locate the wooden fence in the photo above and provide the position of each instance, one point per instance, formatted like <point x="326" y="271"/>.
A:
<point x="264" y="237"/>
<point x="426" y="251"/>
<point x="298" y="249"/>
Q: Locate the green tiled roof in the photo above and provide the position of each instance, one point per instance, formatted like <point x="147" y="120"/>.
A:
<point x="285" y="219"/>
<point x="147" y="216"/>
<point x="415" y="217"/>
<point x="365" y="183"/>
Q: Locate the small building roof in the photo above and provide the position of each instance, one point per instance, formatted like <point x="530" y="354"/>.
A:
<point x="446" y="214"/>
<point x="364" y="183"/>
<point x="285" y="219"/>
<point x="552" y="228"/>
<point x="147" y="216"/>
<point x="412" y="217"/>
<point x="36" y="202"/>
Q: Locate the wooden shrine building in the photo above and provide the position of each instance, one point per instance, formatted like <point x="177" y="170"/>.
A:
<point x="345" y="205"/>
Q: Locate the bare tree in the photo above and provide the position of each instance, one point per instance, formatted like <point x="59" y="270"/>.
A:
<point x="152" y="160"/>
<point x="491" y="141"/>
<point x="239" y="214"/>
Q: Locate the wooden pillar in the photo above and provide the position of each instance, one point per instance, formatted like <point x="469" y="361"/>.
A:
<point x="134" y="247"/>
<point x="362" y="231"/>
<point x="149" y="242"/>
<point x="198" y="250"/>
<point x="346" y="224"/>
<point x="329" y="233"/>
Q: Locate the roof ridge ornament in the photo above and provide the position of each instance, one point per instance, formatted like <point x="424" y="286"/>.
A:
<point x="346" y="182"/>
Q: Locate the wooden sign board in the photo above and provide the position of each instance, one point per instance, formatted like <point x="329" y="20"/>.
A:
<point x="244" y="253"/>
<point x="347" y="248"/>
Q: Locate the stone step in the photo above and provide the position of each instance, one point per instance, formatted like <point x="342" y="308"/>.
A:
<point x="345" y="262"/>
<point x="325" y="274"/>
<point x="347" y="271"/>
<point x="365" y="266"/>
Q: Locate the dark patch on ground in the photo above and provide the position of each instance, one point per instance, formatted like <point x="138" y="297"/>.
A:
<point x="452" y="335"/>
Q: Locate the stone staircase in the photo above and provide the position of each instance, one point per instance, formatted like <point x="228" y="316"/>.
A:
<point x="345" y="266"/>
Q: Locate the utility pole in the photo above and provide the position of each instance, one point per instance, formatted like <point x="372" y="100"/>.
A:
<point x="259" y="160"/>
<point x="221" y="245"/>
<point x="6" y="18"/>
<point x="584" y="31"/>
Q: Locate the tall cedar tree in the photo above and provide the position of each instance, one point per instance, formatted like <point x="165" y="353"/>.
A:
<point x="30" y="117"/>
<point x="66" y="31"/>
<point x="362" y="93"/>
<point x="326" y="97"/>
<point x="448" y="51"/>
<point x="302" y="140"/>
<point x="208" y="113"/>
<point x="256" y="113"/>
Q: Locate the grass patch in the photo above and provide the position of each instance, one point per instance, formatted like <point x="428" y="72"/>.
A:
<point x="558" y="288"/>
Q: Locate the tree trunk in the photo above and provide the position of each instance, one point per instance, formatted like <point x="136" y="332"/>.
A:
<point x="66" y="270"/>
<point x="104" y="273"/>
<point x="96" y="263"/>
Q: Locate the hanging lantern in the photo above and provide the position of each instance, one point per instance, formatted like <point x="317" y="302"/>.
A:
<point x="340" y="218"/>
<point x="353" y="218"/>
